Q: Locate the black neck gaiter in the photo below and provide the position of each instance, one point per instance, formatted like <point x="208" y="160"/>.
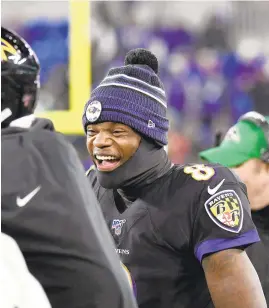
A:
<point x="147" y="164"/>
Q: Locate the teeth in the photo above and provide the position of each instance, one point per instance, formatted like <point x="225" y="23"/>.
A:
<point x="99" y="157"/>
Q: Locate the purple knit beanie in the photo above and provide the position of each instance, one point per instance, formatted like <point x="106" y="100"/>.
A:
<point x="133" y="95"/>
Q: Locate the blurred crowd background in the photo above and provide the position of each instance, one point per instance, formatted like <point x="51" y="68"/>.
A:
<point x="213" y="58"/>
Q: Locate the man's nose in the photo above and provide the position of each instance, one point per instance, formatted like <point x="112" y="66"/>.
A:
<point x="102" y="140"/>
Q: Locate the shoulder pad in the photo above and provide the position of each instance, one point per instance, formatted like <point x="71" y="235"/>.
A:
<point x="210" y="172"/>
<point x="199" y="172"/>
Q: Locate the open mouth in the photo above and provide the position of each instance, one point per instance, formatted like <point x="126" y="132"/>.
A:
<point x="106" y="163"/>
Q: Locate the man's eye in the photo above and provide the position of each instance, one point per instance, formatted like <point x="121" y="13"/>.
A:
<point x="90" y="132"/>
<point x="117" y="132"/>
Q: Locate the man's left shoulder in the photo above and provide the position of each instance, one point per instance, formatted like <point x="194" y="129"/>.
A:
<point x="219" y="193"/>
<point x="199" y="182"/>
<point x="206" y="174"/>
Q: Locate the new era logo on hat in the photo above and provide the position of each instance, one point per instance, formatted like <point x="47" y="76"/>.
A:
<point x="151" y="124"/>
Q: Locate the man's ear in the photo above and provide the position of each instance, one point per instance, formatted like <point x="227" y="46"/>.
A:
<point x="256" y="164"/>
<point x="266" y="166"/>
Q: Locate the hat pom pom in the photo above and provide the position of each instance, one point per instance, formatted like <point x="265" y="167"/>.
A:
<point x="142" y="56"/>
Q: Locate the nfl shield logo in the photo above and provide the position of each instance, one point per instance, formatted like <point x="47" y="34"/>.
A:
<point x="117" y="225"/>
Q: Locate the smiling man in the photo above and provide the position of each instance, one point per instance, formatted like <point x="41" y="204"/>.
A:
<point x="109" y="160"/>
<point x="179" y="230"/>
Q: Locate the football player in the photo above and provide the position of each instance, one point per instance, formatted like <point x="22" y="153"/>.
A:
<point x="245" y="150"/>
<point x="181" y="231"/>
<point x="66" y="245"/>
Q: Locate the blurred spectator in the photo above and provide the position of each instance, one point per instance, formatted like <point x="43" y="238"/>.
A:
<point x="260" y="92"/>
<point x="179" y="147"/>
<point x="215" y="34"/>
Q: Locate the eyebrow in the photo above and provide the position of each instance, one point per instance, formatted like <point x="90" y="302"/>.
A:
<point x="121" y="126"/>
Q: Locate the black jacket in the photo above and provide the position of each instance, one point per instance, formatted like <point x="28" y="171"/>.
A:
<point x="66" y="245"/>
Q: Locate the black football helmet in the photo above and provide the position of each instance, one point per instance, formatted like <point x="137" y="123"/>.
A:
<point x="19" y="77"/>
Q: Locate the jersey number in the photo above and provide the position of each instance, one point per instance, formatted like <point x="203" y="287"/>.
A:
<point x="200" y="172"/>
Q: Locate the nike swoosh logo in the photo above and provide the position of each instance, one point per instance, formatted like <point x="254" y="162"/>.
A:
<point x="212" y="191"/>
<point x="23" y="201"/>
